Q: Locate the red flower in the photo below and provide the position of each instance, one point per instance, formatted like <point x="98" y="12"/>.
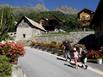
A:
<point x="95" y="54"/>
<point x="12" y="50"/>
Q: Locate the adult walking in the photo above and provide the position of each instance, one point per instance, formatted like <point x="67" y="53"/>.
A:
<point x="84" y="58"/>
<point x="66" y="51"/>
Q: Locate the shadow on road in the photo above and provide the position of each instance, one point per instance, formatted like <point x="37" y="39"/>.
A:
<point x="70" y="65"/>
<point x="58" y="58"/>
<point x="73" y="66"/>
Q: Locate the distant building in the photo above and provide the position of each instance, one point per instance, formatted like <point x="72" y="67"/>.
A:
<point x="27" y="29"/>
<point x="84" y="17"/>
<point x="51" y="23"/>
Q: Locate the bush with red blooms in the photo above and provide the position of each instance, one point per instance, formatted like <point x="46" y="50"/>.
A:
<point x="12" y="50"/>
<point x="94" y="54"/>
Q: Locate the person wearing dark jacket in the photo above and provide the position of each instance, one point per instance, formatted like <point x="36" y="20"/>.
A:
<point x="67" y="48"/>
<point x="84" y="59"/>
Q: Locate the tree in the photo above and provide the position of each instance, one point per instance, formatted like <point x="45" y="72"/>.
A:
<point x="6" y="20"/>
<point x="70" y="23"/>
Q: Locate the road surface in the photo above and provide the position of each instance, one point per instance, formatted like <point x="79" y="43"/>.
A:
<point x="37" y="63"/>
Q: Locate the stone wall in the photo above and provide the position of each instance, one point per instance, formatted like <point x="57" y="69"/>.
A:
<point x="72" y="36"/>
<point x="17" y="71"/>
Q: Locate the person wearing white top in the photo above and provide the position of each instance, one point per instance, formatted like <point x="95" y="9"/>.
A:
<point x="75" y="53"/>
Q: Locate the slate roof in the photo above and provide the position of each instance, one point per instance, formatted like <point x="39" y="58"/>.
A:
<point x="86" y="11"/>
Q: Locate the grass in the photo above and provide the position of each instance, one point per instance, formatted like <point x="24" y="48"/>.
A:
<point x="6" y="76"/>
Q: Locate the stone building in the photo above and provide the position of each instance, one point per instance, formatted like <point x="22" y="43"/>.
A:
<point x="27" y="29"/>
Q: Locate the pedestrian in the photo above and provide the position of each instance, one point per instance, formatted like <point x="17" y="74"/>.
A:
<point x="76" y="55"/>
<point x="80" y="51"/>
<point x="66" y="50"/>
<point x="84" y="58"/>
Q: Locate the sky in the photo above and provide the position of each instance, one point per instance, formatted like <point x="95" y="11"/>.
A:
<point x="52" y="4"/>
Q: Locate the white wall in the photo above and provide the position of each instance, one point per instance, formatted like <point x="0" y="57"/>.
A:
<point x="36" y="32"/>
<point x="23" y="28"/>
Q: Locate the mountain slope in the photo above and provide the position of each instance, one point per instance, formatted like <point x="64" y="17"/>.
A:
<point x="67" y="10"/>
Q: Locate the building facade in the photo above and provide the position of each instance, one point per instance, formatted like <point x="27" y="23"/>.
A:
<point x="28" y="29"/>
<point x="84" y="17"/>
<point x="97" y="24"/>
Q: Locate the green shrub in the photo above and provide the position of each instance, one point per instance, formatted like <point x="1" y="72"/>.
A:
<point x="5" y="67"/>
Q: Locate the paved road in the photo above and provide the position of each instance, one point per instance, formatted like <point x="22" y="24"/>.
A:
<point x="36" y="63"/>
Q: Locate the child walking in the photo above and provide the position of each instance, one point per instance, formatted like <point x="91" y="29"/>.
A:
<point x="75" y="53"/>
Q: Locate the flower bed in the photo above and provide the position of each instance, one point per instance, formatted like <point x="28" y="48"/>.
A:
<point x="12" y="50"/>
<point x="53" y="47"/>
<point x="93" y="54"/>
<point x="9" y="53"/>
